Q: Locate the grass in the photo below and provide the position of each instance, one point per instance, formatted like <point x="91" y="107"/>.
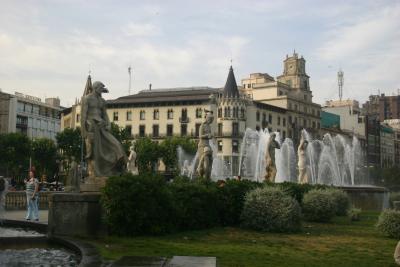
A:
<point x="340" y="243"/>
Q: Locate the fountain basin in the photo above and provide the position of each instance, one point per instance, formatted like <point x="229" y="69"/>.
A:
<point x="27" y="242"/>
<point x="368" y="198"/>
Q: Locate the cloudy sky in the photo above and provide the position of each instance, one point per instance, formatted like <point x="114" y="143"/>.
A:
<point x="48" y="47"/>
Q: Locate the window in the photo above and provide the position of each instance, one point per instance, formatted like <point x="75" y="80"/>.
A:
<point x="270" y="118"/>
<point x="155" y="130"/>
<point x="156" y="114"/>
<point x="284" y="122"/>
<point x="264" y="117"/>
<point x="78" y="117"/>
<point x="219" y="129"/>
<point x="318" y="125"/>
<point x="142" y="115"/>
<point x="128" y="129"/>
<point x="295" y="107"/>
<point x="184" y="114"/>
<point x="220" y="113"/>
<point x="115" y="116"/>
<point x="199" y="112"/>
<point x="279" y="121"/>
<point x="258" y="116"/>
<point x="129" y="115"/>
<point x="219" y="145"/>
<point x="235" y="129"/>
<point x="142" y="130"/>
<point x="290" y="119"/>
<point x="235" y="146"/>
<point x="305" y="109"/>
<point x="304" y="122"/>
<point x="242" y="113"/>
<point x="183" y="129"/>
<point x="313" y="124"/>
<point x="170" y="129"/>
<point x="197" y="129"/>
<point x="248" y="85"/>
<point x="170" y="114"/>
<point x="284" y="135"/>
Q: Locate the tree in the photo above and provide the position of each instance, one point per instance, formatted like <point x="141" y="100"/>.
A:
<point x="69" y="142"/>
<point x="15" y="152"/>
<point x="148" y="153"/>
<point x="44" y="156"/>
<point x="169" y="149"/>
<point x="123" y="135"/>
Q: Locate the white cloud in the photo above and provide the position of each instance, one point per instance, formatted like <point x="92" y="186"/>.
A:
<point x="140" y="29"/>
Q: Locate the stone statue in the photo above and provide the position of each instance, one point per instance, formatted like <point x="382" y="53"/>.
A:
<point x="185" y="168"/>
<point x="72" y="182"/>
<point x="204" y="148"/>
<point x="272" y="144"/>
<point x="131" y="164"/>
<point x="104" y="154"/>
<point x="302" y="163"/>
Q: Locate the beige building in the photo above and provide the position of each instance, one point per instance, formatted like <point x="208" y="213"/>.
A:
<point x="29" y="115"/>
<point x="350" y="119"/>
<point x="290" y="91"/>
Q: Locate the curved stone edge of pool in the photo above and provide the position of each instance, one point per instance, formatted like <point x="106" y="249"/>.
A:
<point x="89" y="255"/>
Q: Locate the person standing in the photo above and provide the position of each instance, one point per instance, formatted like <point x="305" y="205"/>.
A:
<point x="32" y="196"/>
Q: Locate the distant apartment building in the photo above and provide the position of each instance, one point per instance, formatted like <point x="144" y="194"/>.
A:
<point x="387" y="146"/>
<point x="29" y="115"/>
<point x="383" y="107"/>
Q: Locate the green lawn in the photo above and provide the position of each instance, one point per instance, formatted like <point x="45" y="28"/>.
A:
<point x="340" y="243"/>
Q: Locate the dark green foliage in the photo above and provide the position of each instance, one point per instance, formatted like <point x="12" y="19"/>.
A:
<point x="169" y="148"/>
<point x="270" y="209"/>
<point x="394" y="196"/>
<point x="44" y="155"/>
<point x="137" y="205"/>
<point x="123" y="135"/>
<point x="319" y="206"/>
<point x="148" y="153"/>
<point x="69" y="142"/>
<point x="341" y="200"/>
<point x="231" y="195"/>
<point x="14" y="156"/>
<point x="389" y="223"/>
<point x="195" y="205"/>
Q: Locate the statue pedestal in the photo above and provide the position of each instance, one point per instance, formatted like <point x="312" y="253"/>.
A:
<point x="75" y="214"/>
<point x="93" y="184"/>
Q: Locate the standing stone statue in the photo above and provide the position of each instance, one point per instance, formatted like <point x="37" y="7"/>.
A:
<point x="302" y="163"/>
<point x="131" y="165"/>
<point x="204" y="148"/>
<point x="104" y="154"/>
<point x="72" y="183"/>
<point x="272" y="144"/>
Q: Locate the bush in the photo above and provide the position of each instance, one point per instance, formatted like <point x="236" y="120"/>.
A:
<point x="195" y="205"/>
<point x="341" y="200"/>
<point x="354" y="214"/>
<point x="394" y="196"/>
<point x="271" y="210"/>
<point x="231" y="195"/>
<point x="319" y="206"/>
<point x="389" y="223"/>
<point x="138" y="205"/>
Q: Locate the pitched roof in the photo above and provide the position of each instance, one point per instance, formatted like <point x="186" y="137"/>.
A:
<point x="230" y="89"/>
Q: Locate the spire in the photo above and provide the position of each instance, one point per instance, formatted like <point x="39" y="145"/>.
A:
<point x="88" y="86"/>
<point x="230" y="89"/>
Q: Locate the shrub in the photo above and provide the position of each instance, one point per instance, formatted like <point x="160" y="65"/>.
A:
<point x="231" y="195"/>
<point x="354" y="214"/>
<point x="394" y="196"/>
<point x="389" y="223"/>
<point x="271" y="210"/>
<point x="138" y="205"/>
<point x="319" y="206"/>
<point x="341" y="200"/>
<point x="195" y="205"/>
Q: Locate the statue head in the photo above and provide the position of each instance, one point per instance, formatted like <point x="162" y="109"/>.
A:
<point x="99" y="87"/>
<point x="132" y="147"/>
<point x="209" y="117"/>
<point x="272" y="136"/>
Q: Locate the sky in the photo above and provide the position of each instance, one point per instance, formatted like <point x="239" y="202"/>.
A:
<point x="47" y="48"/>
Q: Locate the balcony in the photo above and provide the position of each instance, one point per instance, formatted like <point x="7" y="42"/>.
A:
<point x="183" y="119"/>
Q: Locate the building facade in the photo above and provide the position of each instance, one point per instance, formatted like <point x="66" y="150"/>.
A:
<point x="382" y="106"/>
<point x="395" y="124"/>
<point x="29" y="115"/>
<point x="387" y="147"/>
<point x="290" y="91"/>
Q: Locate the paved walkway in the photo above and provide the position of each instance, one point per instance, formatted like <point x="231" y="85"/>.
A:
<point x="20" y="215"/>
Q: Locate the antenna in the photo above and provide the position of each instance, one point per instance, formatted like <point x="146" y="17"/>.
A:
<point x="340" y="83"/>
<point x="130" y="79"/>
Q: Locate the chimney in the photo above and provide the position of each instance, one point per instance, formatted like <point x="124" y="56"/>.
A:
<point x="150" y="86"/>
